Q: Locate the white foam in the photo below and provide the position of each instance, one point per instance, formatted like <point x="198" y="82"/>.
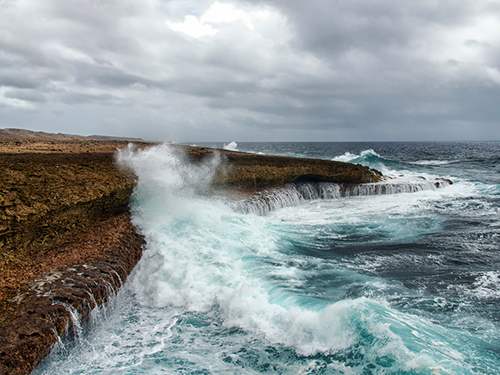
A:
<point x="347" y="157"/>
<point x="486" y="286"/>
<point x="200" y="255"/>
<point x="205" y="255"/>
<point x="430" y="162"/>
<point x="230" y="146"/>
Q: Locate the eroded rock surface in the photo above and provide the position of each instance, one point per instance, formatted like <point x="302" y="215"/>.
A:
<point x="45" y="199"/>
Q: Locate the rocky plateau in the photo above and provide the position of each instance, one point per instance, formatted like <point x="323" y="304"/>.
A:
<point x="67" y="243"/>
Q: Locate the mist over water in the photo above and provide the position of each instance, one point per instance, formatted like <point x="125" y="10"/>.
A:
<point x="404" y="283"/>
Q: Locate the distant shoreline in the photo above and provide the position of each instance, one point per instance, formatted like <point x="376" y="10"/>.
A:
<point x="30" y="135"/>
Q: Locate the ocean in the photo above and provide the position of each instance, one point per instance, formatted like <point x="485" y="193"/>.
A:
<point x="372" y="283"/>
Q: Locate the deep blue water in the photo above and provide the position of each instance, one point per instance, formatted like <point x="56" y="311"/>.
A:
<point x="404" y="283"/>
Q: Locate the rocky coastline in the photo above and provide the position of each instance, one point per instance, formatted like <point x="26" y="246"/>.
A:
<point x="67" y="243"/>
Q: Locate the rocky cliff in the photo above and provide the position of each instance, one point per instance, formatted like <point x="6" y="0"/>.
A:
<point x="59" y="293"/>
<point x="46" y="198"/>
<point x="66" y="240"/>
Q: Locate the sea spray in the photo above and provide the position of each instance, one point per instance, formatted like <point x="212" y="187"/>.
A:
<point x="232" y="146"/>
<point x="164" y="169"/>
<point x="204" y="257"/>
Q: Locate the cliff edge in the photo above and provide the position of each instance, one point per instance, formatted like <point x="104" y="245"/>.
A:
<point x="66" y="240"/>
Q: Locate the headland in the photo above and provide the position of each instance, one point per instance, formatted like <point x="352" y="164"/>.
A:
<point x="67" y="243"/>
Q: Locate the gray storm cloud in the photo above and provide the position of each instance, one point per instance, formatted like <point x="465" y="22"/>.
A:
<point x="252" y="70"/>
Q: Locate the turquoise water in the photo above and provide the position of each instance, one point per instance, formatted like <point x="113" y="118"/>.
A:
<point x="402" y="283"/>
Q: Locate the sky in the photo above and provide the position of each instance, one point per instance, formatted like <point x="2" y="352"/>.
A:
<point x="260" y="70"/>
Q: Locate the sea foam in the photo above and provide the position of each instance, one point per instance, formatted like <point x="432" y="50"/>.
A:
<point x="218" y="290"/>
<point x="203" y="257"/>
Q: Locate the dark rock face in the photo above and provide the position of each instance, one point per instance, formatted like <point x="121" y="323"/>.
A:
<point x="66" y="245"/>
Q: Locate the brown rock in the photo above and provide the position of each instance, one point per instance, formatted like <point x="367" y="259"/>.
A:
<point x="46" y="198"/>
<point x="40" y="312"/>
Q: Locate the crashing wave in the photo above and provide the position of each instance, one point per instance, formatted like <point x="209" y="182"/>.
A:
<point x="295" y="193"/>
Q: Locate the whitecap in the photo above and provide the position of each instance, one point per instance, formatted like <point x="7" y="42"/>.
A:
<point x="430" y="162"/>
<point x="348" y="157"/>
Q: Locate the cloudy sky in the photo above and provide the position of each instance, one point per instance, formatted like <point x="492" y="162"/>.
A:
<point x="260" y="70"/>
